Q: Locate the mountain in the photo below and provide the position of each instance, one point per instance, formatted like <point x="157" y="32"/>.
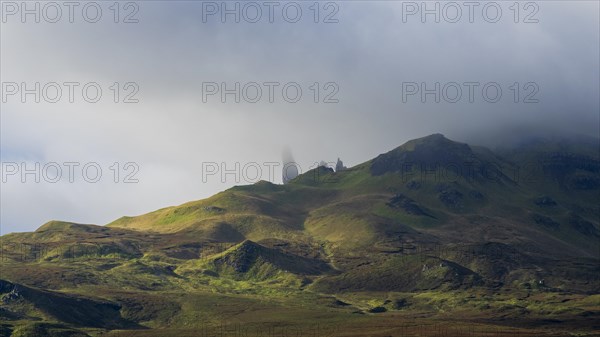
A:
<point x="433" y="230"/>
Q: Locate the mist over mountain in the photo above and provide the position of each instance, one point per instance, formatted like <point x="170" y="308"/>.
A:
<point x="517" y="135"/>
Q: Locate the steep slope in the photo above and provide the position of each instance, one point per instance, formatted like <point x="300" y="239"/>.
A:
<point x="249" y="260"/>
<point x="21" y="301"/>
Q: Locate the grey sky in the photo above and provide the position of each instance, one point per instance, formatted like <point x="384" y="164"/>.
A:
<point x="368" y="54"/>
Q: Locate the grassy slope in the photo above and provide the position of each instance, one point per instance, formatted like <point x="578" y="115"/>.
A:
<point x="176" y="266"/>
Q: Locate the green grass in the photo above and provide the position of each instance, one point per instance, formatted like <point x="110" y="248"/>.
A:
<point x="329" y="249"/>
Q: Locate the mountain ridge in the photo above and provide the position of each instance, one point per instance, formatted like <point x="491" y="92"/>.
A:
<point x="411" y="230"/>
